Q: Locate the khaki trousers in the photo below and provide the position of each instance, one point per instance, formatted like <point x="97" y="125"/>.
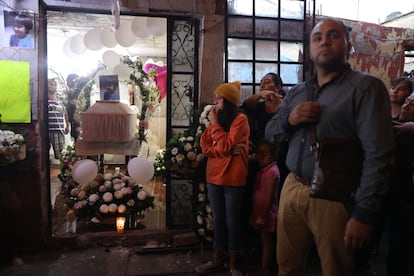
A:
<point x="301" y="219"/>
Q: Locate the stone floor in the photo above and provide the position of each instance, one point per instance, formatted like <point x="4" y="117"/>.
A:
<point x="129" y="260"/>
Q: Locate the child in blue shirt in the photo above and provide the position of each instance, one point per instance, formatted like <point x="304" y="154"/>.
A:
<point x="21" y="27"/>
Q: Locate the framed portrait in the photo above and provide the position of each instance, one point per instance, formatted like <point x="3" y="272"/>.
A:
<point x="109" y="88"/>
<point x="19" y="29"/>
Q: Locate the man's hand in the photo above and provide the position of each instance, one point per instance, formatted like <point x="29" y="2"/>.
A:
<point x="357" y="234"/>
<point x="406" y="127"/>
<point x="306" y="112"/>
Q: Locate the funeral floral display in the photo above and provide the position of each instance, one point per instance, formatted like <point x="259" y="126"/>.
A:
<point x="12" y="146"/>
<point x="160" y="168"/>
<point x="203" y="223"/>
<point x="183" y="154"/>
<point x="183" y="157"/>
<point x="67" y="160"/>
<point x="144" y="83"/>
<point x="108" y="195"/>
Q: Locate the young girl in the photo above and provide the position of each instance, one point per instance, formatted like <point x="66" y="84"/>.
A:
<point x="21" y="27"/>
<point x="264" y="214"/>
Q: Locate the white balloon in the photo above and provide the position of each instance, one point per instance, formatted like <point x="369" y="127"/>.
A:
<point x="66" y="48"/>
<point x="76" y="44"/>
<point x="123" y="72"/>
<point x="111" y="58"/>
<point x="84" y="171"/>
<point x="108" y="38"/>
<point x="92" y="39"/>
<point x="139" y="27"/>
<point x="160" y="63"/>
<point x="140" y="169"/>
<point x="124" y="35"/>
<point x="156" y="26"/>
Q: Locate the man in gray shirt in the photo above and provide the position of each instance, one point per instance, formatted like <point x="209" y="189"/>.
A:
<point x="345" y="104"/>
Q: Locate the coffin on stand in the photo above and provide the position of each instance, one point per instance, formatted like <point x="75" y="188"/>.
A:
<point x="108" y="127"/>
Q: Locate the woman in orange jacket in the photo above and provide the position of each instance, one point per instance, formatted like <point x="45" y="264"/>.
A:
<point x="225" y="143"/>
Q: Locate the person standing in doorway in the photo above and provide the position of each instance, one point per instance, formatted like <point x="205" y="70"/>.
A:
<point x="343" y="104"/>
<point x="72" y="98"/>
<point x="225" y="143"/>
<point x="58" y="120"/>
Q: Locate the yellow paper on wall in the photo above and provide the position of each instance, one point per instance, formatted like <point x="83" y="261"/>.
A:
<point x="15" y="91"/>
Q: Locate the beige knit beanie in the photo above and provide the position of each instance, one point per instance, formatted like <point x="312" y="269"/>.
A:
<point x="230" y="91"/>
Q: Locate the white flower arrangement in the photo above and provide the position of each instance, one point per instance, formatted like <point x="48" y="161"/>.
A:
<point x="203" y="119"/>
<point x="12" y="147"/>
<point x="184" y="154"/>
<point x="108" y="196"/>
<point x="203" y="218"/>
<point x="145" y="84"/>
<point x="67" y="160"/>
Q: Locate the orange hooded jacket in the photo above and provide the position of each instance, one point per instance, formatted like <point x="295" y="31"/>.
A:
<point x="223" y="167"/>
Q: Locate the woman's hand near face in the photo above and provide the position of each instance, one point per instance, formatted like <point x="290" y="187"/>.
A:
<point x="212" y="116"/>
<point x="265" y="94"/>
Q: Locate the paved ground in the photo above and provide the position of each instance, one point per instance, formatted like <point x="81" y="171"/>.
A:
<point x="126" y="261"/>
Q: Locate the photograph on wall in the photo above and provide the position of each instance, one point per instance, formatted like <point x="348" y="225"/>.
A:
<point x="18" y="29"/>
<point x="109" y="88"/>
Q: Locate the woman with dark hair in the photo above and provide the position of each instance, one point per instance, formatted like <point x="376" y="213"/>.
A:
<point x="225" y="143"/>
<point x="400" y="89"/>
<point x="261" y="107"/>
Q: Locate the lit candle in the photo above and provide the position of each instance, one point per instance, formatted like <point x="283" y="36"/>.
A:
<point x="117" y="170"/>
<point x="120" y="223"/>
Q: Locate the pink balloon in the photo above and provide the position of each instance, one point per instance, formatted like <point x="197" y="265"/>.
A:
<point x="149" y="66"/>
<point x="160" y="79"/>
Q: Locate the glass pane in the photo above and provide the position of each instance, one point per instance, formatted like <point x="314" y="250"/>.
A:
<point x="291" y="73"/>
<point x="247" y="91"/>
<point x="183" y="43"/>
<point x="241" y="71"/>
<point x="266" y="50"/>
<point x="293" y="9"/>
<point x="240" y="26"/>
<point x="263" y="68"/>
<point x="242" y="7"/>
<point x="267" y="8"/>
<point x="182" y="99"/>
<point x="291" y="51"/>
<point x="266" y="28"/>
<point x="181" y="202"/>
<point x="291" y="30"/>
<point x="409" y="64"/>
<point x="240" y="48"/>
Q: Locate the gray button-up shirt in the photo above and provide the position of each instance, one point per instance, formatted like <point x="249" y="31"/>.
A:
<point x="355" y="106"/>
